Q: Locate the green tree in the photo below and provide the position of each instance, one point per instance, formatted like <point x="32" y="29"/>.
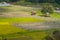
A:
<point x="47" y="9"/>
<point x="57" y="1"/>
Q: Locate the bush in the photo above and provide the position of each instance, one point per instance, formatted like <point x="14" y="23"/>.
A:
<point x="47" y="9"/>
<point x="23" y="3"/>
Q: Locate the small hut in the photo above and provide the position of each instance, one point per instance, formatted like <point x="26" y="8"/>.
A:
<point x="33" y="12"/>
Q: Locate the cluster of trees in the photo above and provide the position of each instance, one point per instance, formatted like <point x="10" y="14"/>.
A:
<point x="9" y="0"/>
<point x="40" y="1"/>
<point x="46" y="10"/>
<point x="34" y="1"/>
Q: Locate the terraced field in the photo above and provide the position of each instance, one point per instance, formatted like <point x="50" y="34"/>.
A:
<point x="17" y="23"/>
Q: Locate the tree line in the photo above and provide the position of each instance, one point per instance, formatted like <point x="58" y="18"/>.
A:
<point x="34" y="1"/>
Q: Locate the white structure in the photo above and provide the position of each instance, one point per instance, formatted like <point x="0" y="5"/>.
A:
<point x="57" y="10"/>
<point x="4" y="4"/>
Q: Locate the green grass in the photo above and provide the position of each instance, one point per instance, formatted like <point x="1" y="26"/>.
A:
<point x="11" y="32"/>
<point x="6" y="29"/>
<point x="16" y="8"/>
<point x="24" y="9"/>
<point x="29" y="34"/>
<point x="26" y="35"/>
<point x="5" y="24"/>
<point x="21" y="20"/>
<point x="55" y="15"/>
<point x="52" y="15"/>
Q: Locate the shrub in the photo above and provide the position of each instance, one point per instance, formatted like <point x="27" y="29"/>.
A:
<point x="23" y="3"/>
<point x="47" y="9"/>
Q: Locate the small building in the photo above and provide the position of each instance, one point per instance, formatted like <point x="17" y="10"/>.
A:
<point x="57" y="9"/>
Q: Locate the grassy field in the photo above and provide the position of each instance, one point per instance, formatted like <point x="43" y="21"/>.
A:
<point x="5" y="29"/>
<point x="22" y="34"/>
<point x="16" y="8"/>
<point x="21" y="20"/>
<point x="55" y="15"/>
<point x="5" y="23"/>
<point x="10" y="32"/>
<point x="14" y="33"/>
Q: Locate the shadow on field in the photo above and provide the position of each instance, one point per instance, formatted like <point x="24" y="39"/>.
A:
<point x="55" y="36"/>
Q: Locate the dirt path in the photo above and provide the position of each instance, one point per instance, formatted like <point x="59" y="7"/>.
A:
<point x="38" y="26"/>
